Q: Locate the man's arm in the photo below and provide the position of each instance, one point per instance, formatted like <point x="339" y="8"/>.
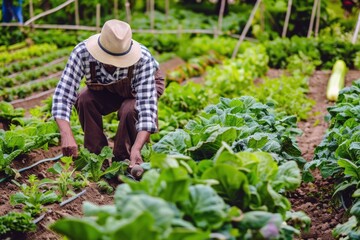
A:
<point x="65" y="96"/>
<point x="68" y="143"/>
<point x="146" y="104"/>
<point x="135" y="155"/>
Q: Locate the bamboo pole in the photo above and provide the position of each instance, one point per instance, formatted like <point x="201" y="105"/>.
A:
<point x="77" y="18"/>
<point x="148" y="6"/>
<point x="287" y="18"/>
<point x="246" y="28"/>
<point x="317" y="23"/>
<point x="152" y="14"/>
<point x="31" y="9"/>
<point x="356" y="32"/>
<point x="312" y="18"/>
<point x="167" y="10"/>
<point x="98" y="29"/>
<point x="48" y="12"/>
<point x="221" y="15"/>
<point x="179" y="31"/>
<point x="128" y="12"/>
<point x="116" y="9"/>
<point x="262" y="16"/>
<point x="67" y="27"/>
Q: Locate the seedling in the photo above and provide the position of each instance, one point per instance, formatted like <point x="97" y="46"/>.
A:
<point x="94" y="163"/>
<point x="65" y="182"/>
<point x="32" y="196"/>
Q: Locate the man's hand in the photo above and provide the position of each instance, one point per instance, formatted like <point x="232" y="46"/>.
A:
<point x="135" y="154"/>
<point x="69" y="147"/>
<point x="68" y="143"/>
<point x="135" y="158"/>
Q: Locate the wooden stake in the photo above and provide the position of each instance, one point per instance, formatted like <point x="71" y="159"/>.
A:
<point x="116" y="9"/>
<point x="48" y="12"/>
<point x="152" y="14"/>
<point x="98" y="17"/>
<point x="246" y="29"/>
<point x="166" y="10"/>
<point x="317" y="24"/>
<point x="312" y="18"/>
<point x="356" y="32"/>
<point x="262" y="16"/>
<point x="221" y="15"/>
<point x="31" y="9"/>
<point x="148" y="6"/>
<point x="179" y="31"/>
<point x="128" y="12"/>
<point x="77" y="18"/>
<point x="287" y="18"/>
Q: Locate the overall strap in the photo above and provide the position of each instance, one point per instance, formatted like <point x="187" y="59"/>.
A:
<point x="130" y="72"/>
<point x="93" y="72"/>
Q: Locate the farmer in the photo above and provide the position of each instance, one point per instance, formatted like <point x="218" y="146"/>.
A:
<point x="12" y="10"/>
<point x="121" y="75"/>
<point x="348" y="5"/>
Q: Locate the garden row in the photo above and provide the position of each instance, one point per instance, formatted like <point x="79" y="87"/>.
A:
<point x="205" y="174"/>
<point x="243" y="70"/>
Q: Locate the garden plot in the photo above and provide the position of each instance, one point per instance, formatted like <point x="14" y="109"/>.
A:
<point x="307" y="197"/>
<point x="322" y="212"/>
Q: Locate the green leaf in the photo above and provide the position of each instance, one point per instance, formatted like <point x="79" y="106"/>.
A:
<point x="288" y="176"/>
<point x="289" y="147"/>
<point x="174" y="184"/>
<point x="56" y="168"/>
<point x="349" y="168"/>
<point x="207" y="148"/>
<point x="76" y="229"/>
<point x="18" y="197"/>
<point x="356" y="194"/>
<point x="258" y="219"/>
<point x="204" y="207"/>
<point x="114" y="168"/>
<point x="257" y="141"/>
<point x="233" y="185"/>
<point x="355" y="209"/>
<point x="346" y="228"/>
<point x="188" y="234"/>
<point x="48" y="197"/>
<point x="267" y="167"/>
<point x="173" y="143"/>
<point x="138" y="227"/>
<point x="129" y="206"/>
<point x="163" y="161"/>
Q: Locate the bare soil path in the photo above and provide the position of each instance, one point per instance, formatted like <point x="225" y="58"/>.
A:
<point x="315" y="198"/>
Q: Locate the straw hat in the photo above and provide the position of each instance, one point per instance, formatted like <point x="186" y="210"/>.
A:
<point x="114" y="45"/>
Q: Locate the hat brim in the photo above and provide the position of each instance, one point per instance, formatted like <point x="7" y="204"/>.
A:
<point x="126" y="60"/>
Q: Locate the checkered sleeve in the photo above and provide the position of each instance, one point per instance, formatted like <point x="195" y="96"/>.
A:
<point x="146" y="98"/>
<point x="66" y="90"/>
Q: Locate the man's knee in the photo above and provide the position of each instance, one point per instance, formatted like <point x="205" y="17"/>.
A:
<point x="84" y="99"/>
<point x="127" y="110"/>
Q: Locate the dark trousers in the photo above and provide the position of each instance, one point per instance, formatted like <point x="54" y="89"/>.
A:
<point x="91" y="106"/>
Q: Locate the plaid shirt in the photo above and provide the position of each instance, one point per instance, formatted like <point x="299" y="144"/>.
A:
<point x="143" y="84"/>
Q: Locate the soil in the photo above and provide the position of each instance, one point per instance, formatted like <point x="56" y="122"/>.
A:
<point x="312" y="198"/>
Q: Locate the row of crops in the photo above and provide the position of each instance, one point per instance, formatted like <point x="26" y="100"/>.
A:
<point x="222" y="164"/>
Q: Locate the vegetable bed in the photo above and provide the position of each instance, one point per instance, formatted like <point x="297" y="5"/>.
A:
<point x="312" y="198"/>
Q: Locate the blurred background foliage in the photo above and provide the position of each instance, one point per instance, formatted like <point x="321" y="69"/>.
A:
<point x="195" y="14"/>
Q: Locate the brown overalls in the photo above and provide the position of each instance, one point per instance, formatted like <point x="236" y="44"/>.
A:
<point x="98" y="100"/>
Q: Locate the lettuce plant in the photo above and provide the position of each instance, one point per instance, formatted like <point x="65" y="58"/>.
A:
<point x="93" y="163"/>
<point x="33" y="196"/>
